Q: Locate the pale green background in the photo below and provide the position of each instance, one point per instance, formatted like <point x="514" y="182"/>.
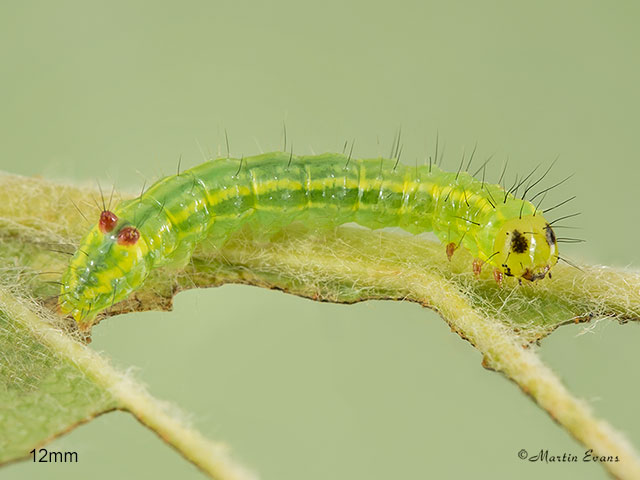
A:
<point x="117" y="91"/>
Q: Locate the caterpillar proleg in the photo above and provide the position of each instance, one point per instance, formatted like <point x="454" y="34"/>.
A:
<point x="208" y="202"/>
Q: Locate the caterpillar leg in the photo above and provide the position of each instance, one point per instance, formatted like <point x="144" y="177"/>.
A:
<point x="451" y="248"/>
<point x="497" y="275"/>
<point x="477" y="266"/>
<point x="179" y="258"/>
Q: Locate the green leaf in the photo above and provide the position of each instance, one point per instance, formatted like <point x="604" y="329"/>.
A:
<point x="51" y="382"/>
<point x="42" y="393"/>
<point x="41" y="222"/>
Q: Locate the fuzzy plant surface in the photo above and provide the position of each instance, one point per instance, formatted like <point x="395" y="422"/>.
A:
<point x="51" y="380"/>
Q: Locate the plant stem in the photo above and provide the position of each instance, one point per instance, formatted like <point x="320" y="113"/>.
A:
<point x="501" y="348"/>
<point x="211" y="458"/>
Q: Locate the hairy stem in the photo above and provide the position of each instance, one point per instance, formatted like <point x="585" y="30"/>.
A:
<point x="211" y="458"/>
<point x="502" y="349"/>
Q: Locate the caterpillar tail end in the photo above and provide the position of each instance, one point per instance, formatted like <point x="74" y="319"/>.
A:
<point x="84" y="320"/>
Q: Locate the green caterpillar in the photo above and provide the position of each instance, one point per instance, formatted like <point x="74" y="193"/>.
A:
<point x="163" y="225"/>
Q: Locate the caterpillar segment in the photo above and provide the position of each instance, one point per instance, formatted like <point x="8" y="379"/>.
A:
<point x="162" y="226"/>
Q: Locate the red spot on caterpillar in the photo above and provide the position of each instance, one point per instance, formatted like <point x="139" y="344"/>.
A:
<point x="128" y="236"/>
<point x="107" y="221"/>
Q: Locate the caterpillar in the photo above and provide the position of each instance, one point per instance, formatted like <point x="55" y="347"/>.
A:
<point x="163" y="225"/>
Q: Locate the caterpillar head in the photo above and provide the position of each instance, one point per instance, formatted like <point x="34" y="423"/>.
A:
<point x="526" y="247"/>
<point x="109" y="264"/>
